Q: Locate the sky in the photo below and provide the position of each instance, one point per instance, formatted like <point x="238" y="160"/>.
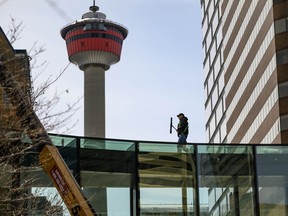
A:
<point x="159" y="75"/>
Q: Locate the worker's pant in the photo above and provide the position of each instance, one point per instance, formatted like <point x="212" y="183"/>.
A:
<point x="182" y="138"/>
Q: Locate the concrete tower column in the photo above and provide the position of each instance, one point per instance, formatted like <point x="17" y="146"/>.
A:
<point x="94" y="101"/>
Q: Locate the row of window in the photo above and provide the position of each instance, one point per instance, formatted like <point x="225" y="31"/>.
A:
<point x="95" y="26"/>
<point x="250" y="39"/>
<point x="213" y="59"/>
<point x="217" y="118"/>
<point x="259" y="119"/>
<point x="272" y="133"/>
<point x="281" y="26"/>
<point x="216" y="127"/>
<point x="252" y="98"/>
<point x="253" y="67"/>
<point x="94" y="35"/>
<point x="256" y="90"/>
<point x="213" y="76"/>
<point x="211" y="31"/>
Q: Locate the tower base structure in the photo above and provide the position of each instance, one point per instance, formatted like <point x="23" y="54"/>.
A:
<point x="94" y="101"/>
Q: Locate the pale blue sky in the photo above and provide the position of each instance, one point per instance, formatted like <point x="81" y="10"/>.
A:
<point x="160" y="72"/>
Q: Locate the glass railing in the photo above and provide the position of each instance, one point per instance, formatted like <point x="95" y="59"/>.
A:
<point x="116" y="145"/>
<point x="141" y="178"/>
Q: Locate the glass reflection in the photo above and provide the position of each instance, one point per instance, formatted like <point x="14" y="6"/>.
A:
<point x="107" y="171"/>
<point x="272" y="180"/>
<point x="166" y="179"/>
<point x="226" y="180"/>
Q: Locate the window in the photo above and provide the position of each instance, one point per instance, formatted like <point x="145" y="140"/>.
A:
<point x="205" y="25"/>
<point x="210" y="10"/>
<point x="206" y="67"/>
<point x="215" y="21"/>
<point x="213" y="51"/>
<point x="281" y="26"/>
<point x="284" y="122"/>
<point x="277" y="1"/>
<point x="94" y="26"/>
<point x="217" y="65"/>
<point x="210" y="82"/>
<point x="219" y="112"/>
<point x="208" y="38"/>
<point x="208" y="109"/>
<point x="283" y="90"/>
<point x="221" y="83"/>
<point x="214" y="96"/>
<point x="212" y="124"/>
<point x="223" y="131"/>
<point x="218" y="37"/>
<point x="282" y="57"/>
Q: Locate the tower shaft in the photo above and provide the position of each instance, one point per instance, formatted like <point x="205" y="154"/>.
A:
<point x="94" y="101"/>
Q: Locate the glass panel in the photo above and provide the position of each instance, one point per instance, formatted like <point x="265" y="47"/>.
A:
<point x="159" y="147"/>
<point x="280" y="26"/>
<point x="226" y="180"/>
<point x="107" y="175"/>
<point x="206" y="68"/>
<point x="67" y="148"/>
<point x="166" y="179"/>
<point x="282" y="57"/>
<point x="215" y="20"/>
<point x="118" y="201"/>
<point x="42" y="196"/>
<point x="47" y="198"/>
<point x="283" y="90"/>
<point x="272" y="180"/>
<point x="107" y="144"/>
<point x="284" y="122"/>
<point x="63" y="141"/>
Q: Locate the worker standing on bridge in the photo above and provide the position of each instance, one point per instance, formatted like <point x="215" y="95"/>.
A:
<point x="182" y="128"/>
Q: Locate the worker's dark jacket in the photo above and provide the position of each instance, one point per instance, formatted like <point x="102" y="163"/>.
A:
<point x="183" y="126"/>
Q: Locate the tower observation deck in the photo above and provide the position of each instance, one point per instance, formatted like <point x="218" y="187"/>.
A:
<point x="94" y="43"/>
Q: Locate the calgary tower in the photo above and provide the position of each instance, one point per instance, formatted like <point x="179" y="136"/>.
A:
<point x="94" y="43"/>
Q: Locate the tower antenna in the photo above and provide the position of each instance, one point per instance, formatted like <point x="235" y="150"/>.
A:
<point x="94" y="8"/>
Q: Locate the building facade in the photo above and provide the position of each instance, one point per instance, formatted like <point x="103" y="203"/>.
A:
<point x="18" y="64"/>
<point x="245" y="62"/>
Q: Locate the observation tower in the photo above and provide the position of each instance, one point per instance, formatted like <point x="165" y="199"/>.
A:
<point x="94" y="43"/>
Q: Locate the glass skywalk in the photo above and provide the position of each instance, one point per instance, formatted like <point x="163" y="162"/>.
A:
<point x="140" y="178"/>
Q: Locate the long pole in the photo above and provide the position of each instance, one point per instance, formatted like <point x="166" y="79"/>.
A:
<point x="171" y="125"/>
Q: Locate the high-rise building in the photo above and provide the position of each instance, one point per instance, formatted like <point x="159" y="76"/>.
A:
<point x="245" y="65"/>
